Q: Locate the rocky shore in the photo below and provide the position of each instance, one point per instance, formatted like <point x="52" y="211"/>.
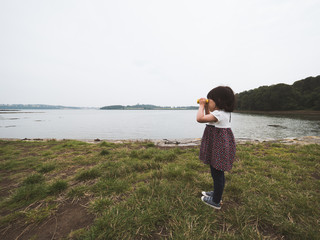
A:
<point x="196" y="142"/>
<point x="189" y="142"/>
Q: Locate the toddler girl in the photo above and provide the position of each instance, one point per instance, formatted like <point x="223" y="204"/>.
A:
<point x="218" y="146"/>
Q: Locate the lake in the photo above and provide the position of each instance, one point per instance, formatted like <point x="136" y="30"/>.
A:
<point x="144" y="124"/>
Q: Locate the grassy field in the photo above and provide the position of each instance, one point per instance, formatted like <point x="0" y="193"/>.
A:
<point x="76" y="190"/>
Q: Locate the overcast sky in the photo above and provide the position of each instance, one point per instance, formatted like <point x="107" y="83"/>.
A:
<point x="169" y="53"/>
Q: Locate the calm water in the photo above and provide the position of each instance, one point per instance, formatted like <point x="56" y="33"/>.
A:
<point x="131" y="124"/>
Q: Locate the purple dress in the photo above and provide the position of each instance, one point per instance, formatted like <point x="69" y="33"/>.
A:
<point x="218" y="147"/>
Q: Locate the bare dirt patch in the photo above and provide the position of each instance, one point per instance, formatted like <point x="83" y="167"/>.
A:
<point x="69" y="217"/>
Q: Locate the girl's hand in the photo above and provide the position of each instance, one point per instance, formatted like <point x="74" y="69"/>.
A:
<point x="202" y="101"/>
<point x="203" y="115"/>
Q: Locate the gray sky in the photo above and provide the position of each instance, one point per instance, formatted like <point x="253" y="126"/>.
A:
<point x="96" y="53"/>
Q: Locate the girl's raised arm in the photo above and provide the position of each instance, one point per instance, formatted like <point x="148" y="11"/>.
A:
<point x="203" y="115"/>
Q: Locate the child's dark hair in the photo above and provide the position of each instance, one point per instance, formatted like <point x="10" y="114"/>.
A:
<point x="223" y="97"/>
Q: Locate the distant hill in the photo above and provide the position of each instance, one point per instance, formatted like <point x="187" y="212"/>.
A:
<point x="33" y="106"/>
<point x="301" y="95"/>
<point x="111" y="107"/>
<point x="145" y="107"/>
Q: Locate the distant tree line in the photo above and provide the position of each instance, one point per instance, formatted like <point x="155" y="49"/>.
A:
<point x="113" y="107"/>
<point x="33" y="106"/>
<point x="301" y="95"/>
<point x="145" y="107"/>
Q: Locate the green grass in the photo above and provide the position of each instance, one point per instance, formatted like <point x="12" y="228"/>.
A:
<point x="85" y="175"/>
<point x="138" y="191"/>
<point x="57" y="187"/>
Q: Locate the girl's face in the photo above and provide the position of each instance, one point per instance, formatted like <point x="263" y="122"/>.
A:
<point x="212" y="105"/>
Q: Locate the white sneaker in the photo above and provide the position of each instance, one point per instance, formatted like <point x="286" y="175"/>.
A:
<point x="209" y="194"/>
<point x="209" y="202"/>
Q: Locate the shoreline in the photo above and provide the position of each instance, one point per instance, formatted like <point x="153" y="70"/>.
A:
<point x="186" y="142"/>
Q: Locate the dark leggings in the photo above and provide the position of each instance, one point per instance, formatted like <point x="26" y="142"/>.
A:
<point x="218" y="184"/>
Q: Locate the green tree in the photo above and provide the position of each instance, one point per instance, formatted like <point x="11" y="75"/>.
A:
<point x="303" y="94"/>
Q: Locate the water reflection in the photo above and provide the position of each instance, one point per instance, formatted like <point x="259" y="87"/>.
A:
<point x="260" y="126"/>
